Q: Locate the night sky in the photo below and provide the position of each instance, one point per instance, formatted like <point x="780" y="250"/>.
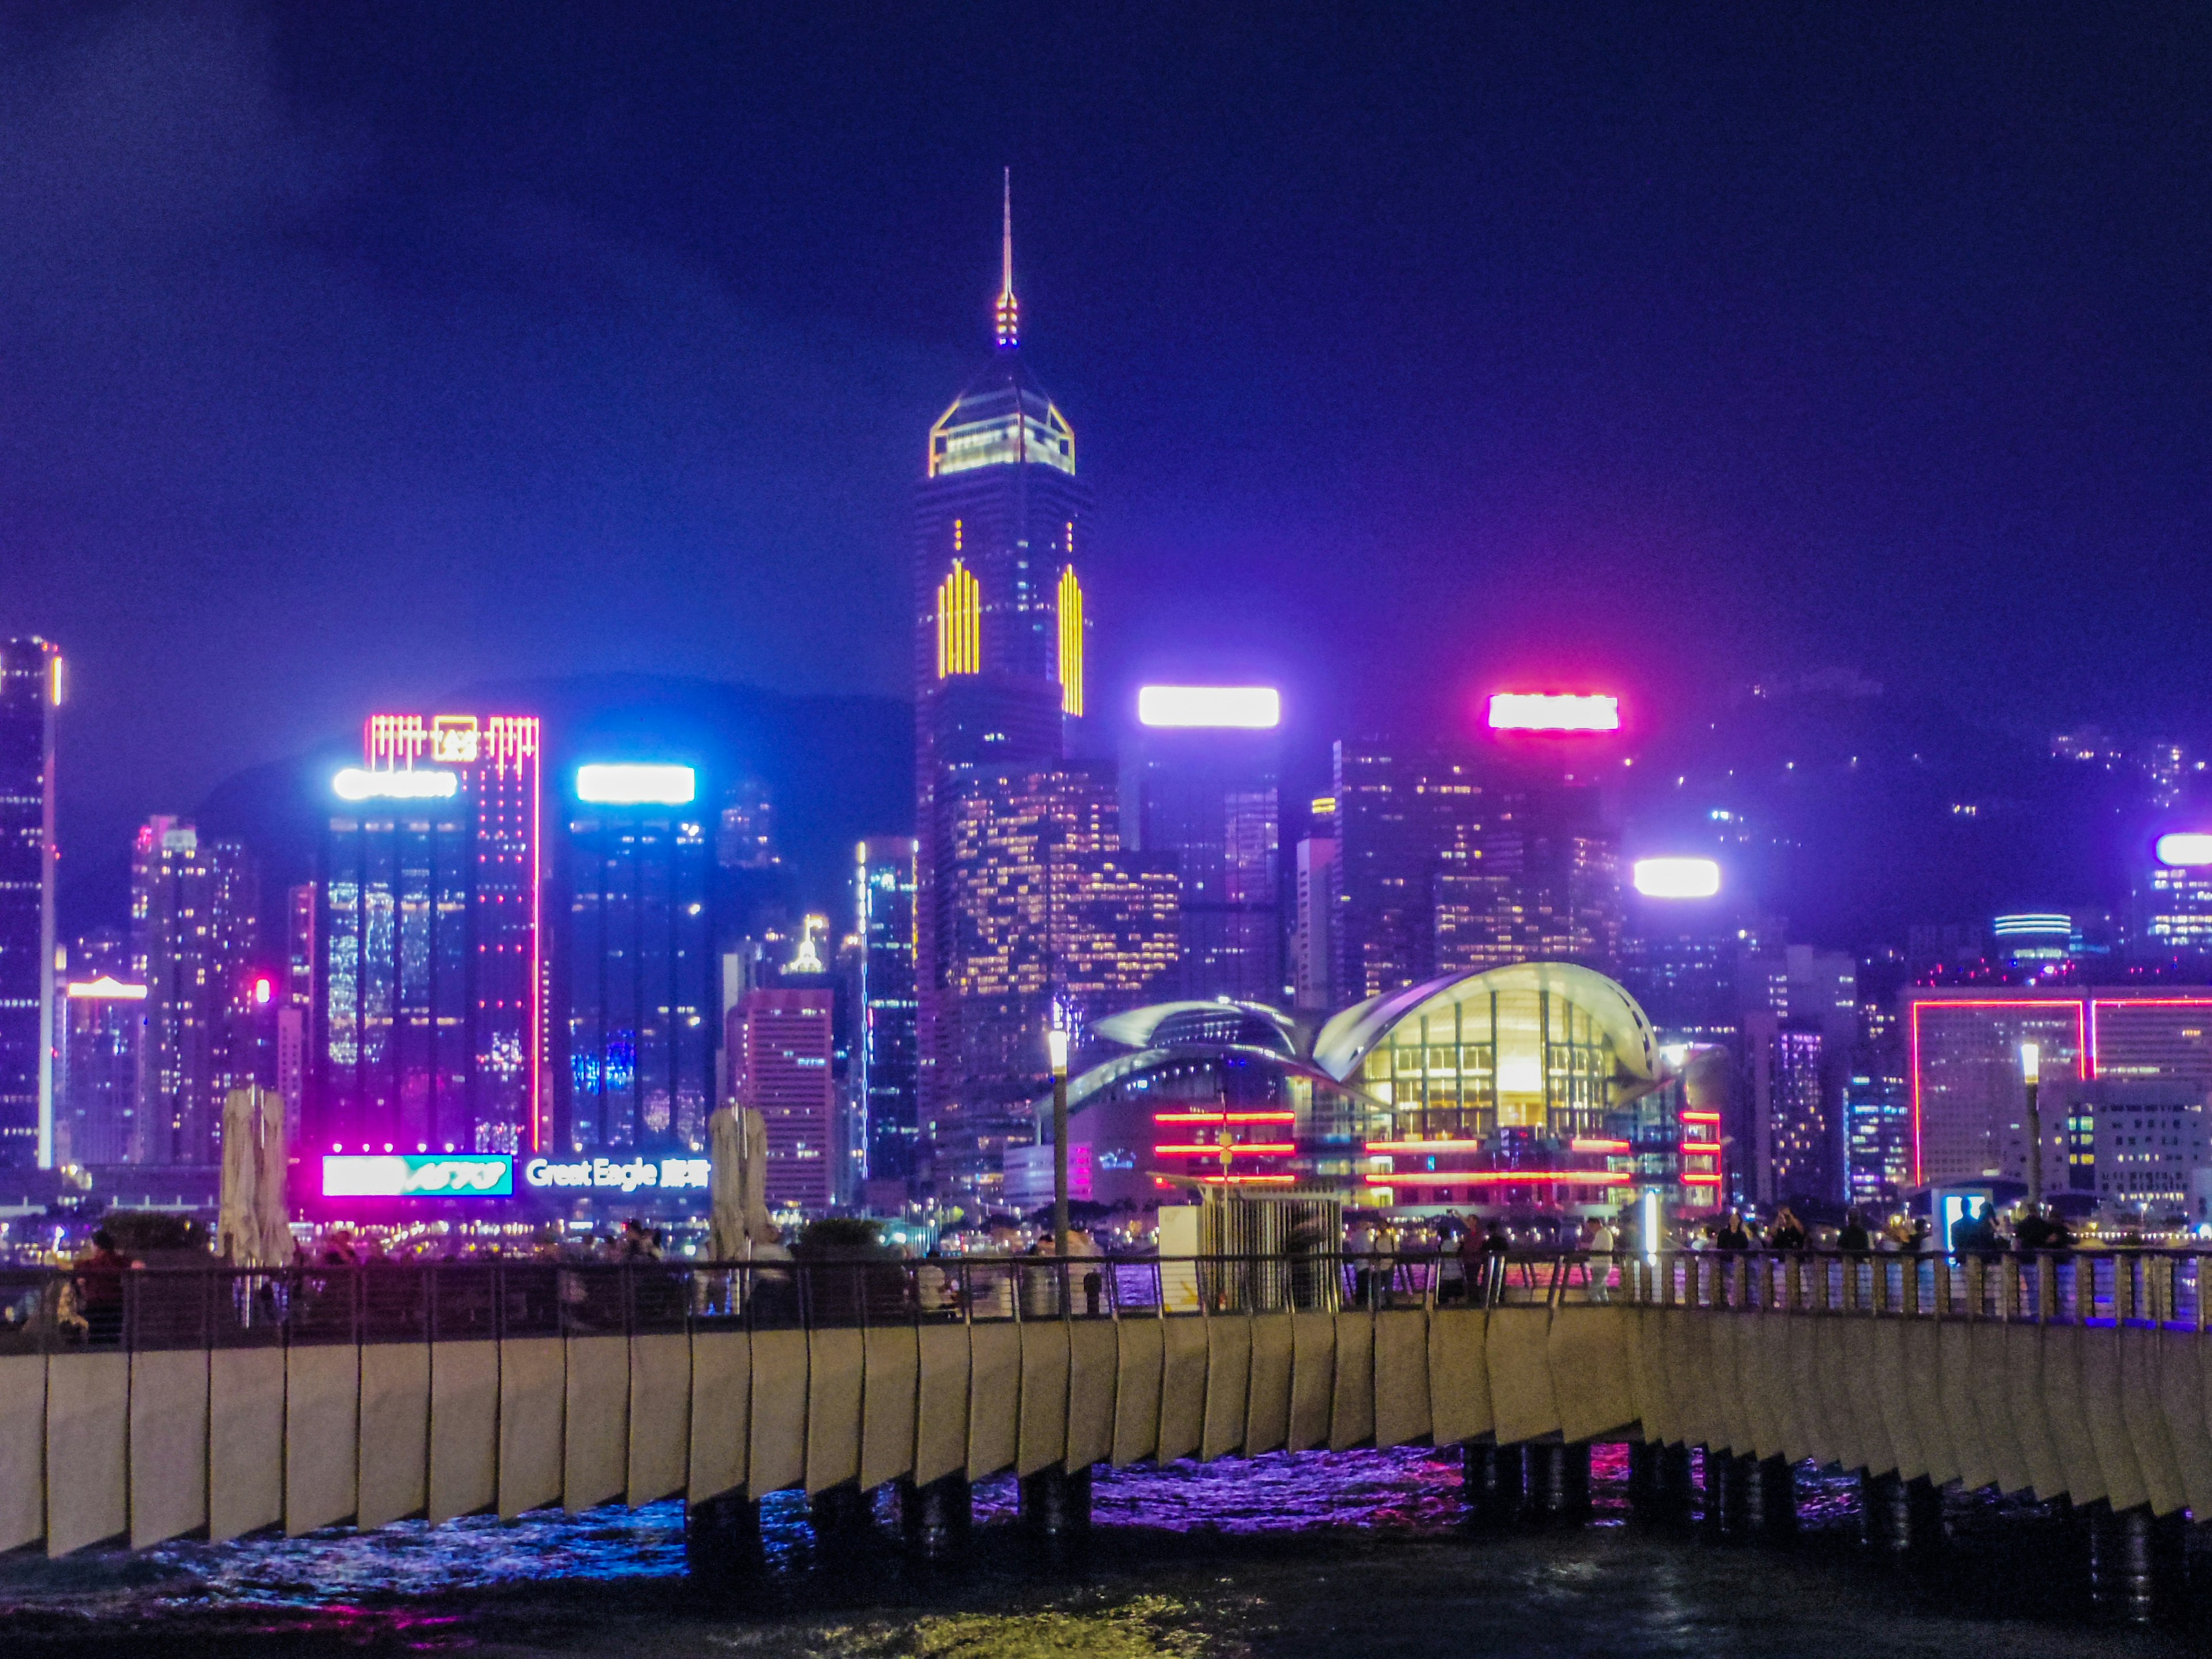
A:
<point x="355" y="352"/>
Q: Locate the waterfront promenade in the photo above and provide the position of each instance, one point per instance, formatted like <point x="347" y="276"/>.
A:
<point x="223" y="1402"/>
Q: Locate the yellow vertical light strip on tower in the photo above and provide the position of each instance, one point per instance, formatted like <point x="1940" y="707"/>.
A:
<point x="959" y="623"/>
<point x="1071" y="641"/>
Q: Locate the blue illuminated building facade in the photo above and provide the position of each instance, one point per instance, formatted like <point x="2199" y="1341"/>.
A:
<point x="635" y="1008"/>
<point x="887" y="1049"/>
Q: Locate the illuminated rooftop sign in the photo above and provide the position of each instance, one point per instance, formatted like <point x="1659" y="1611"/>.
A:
<point x="355" y="784"/>
<point x="106" y="989"/>
<point x="1549" y="711"/>
<point x="1677" y="878"/>
<point x="435" y="1175"/>
<point x="1252" y="707"/>
<point x="636" y="785"/>
<point x="2184" y="849"/>
<point x="2036" y="925"/>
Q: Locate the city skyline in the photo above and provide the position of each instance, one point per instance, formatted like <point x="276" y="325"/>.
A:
<point x="1619" y="380"/>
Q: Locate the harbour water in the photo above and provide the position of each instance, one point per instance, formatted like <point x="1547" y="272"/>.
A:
<point x="1356" y="1553"/>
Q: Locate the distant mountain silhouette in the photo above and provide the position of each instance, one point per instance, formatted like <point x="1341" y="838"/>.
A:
<point x="837" y="767"/>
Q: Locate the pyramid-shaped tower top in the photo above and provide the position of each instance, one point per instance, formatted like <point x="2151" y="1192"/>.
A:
<point x="1003" y="417"/>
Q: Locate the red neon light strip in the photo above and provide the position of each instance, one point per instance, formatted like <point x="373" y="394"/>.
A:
<point x="1583" y="1146"/>
<point x="1248" y="1181"/>
<point x="1225" y="1117"/>
<point x="1428" y="1146"/>
<point x="1470" y="1177"/>
<point x="1699" y="1117"/>
<point x="1276" y="1148"/>
<point x="1701" y="1146"/>
<point x="1701" y="1180"/>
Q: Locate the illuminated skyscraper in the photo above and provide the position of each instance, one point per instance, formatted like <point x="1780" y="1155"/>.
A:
<point x="194" y="943"/>
<point x="885" y="879"/>
<point x="1205" y="794"/>
<point x="636" y="973"/>
<point x="101" y="1022"/>
<point x="1399" y="811"/>
<point x="30" y="690"/>
<point x="1001" y="633"/>
<point x="430" y="1030"/>
<point x="1048" y="907"/>
<point x="1536" y="879"/>
<point x="782" y="1048"/>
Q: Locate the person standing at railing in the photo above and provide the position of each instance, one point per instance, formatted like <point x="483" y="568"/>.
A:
<point x="1602" y="1243"/>
<point x="1733" y="1235"/>
<point x="1788" y="1233"/>
<point x="98" y="1280"/>
<point x="1853" y="1239"/>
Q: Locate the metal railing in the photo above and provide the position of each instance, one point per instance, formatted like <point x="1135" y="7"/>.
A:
<point x="44" y="1310"/>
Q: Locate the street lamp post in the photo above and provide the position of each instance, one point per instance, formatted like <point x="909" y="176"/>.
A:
<point x="2031" y="1072"/>
<point x="1056" y="1041"/>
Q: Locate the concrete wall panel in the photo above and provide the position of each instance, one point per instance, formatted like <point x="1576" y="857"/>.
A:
<point x="1459" y="1375"/>
<point x="659" y="1416"/>
<point x="1724" y="1343"/>
<point x="1587" y="1351"/>
<point x="1182" y="1386"/>
<point x="1686" y="1371"/>
<point x="1352" y="1400"/>
<point x="394" y="1478"/>
<point x="1756" y="1341"/>
<point x="2031" y="1415"/>
<point x="721" y="1413"/>
<point x="88" y="1449"/>
<point x="1268" y="1416"/>
<point x="246" y="1440"/>
<point x="1518" y="1352"/>
<point x="463" y="1429"/>
<point x="1402" y="1376"/>
<point x="23" y="1449"/>
<point x="1140" y="1352"/>
<point x="595" y="1443"/>
<point x="890" y="1365"/>
<point x="1954" y="1353"/>
<point x="2181" y="1396"/>
<point x="833" y="1377"/>
<point x="1832" y="1374"/>
<point x="2062" y="1394"/>
<point x="1094" y="1350"/>
<point x="322" y="1418"/>
<point x="2104" y="1405"/>
<point x="2146" y="1421"/>
<point x="1992" y="1387"/>
<point x="940" y="1422"/>
<point x="776" y="1450"/>
<point x="1313" y="1379"/>
<point x="1862" y="1361"/>
<point x="1885" y="1377"/>
<point x="1042" y="1439"/>
<point x="995" y="1399"/>
<point x="1923" y="1387"/>
<point x="1228" y="1383"/>
<point x="169" y="1444"/>
<point x="533" y="1379"/>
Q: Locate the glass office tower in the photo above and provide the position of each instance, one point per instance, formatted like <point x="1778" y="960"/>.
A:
<point x="429" y="1023"/>
<point x="30" y="690"/>
<point x="887" y="1054"/>
<point x="636" y="972"/>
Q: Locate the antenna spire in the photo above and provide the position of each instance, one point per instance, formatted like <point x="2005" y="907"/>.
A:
<point x="1009" y="310"/>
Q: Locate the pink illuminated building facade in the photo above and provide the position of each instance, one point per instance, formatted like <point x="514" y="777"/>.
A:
<point x="430" y="973"/>
<point x="782" y="1054"/>
<point x="1969" y="1100"/>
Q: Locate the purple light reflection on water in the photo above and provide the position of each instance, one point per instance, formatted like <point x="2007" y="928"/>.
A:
<point x="373" y="1578"/>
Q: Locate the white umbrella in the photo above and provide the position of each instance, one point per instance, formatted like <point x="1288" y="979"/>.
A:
<point x="272" y="1199"/>
<point x="239" y="1231"/>
<point x="255" y="1228"/>
<point x="737" y="1146"/>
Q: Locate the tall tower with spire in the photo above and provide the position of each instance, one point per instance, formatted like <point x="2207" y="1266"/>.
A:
<point x="1000" y="519"/>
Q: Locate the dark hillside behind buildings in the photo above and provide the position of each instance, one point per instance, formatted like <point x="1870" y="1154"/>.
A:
<point x="836" y="767"/>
